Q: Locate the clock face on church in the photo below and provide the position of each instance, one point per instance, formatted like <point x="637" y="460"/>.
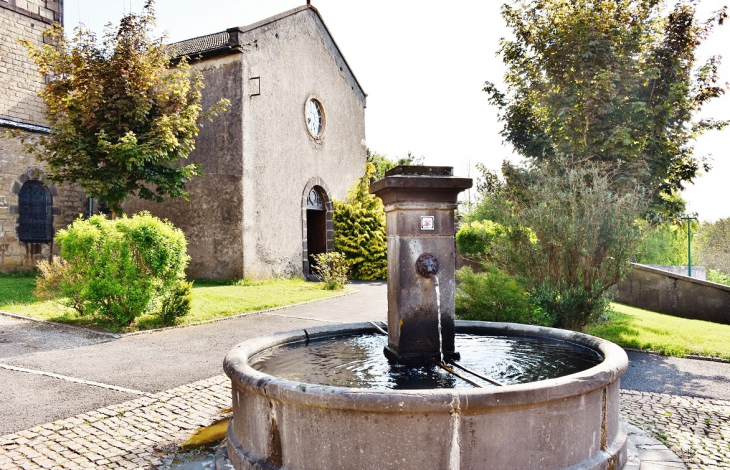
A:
<point x="315" y="117"/>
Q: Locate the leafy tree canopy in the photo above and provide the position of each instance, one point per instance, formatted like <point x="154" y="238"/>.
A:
<point x="608" y="80"/>
<point x="120" y="117"/>
<point x="563" y="228"/>
<point x="713" y="245"/>
<point x="383" y="163"/>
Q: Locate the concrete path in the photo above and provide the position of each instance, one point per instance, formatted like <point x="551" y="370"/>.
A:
<point x="132" y="400"/>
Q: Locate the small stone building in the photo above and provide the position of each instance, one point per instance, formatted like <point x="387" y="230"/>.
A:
<point x="31" y="208"/>
<point x="291" y="141"/>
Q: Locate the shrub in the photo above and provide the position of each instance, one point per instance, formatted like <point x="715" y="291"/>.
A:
<point x="476" y="238"/>
<point x="118" y="269"/>
<point x="332" y="269"/>
<point x="571" y="307"/>
<point x="570" y="230"/>
<point x="494" y="295"/>
<point x="56" y="282"/>
<point x="360" y="230"/>
<point x="176" y="302"/>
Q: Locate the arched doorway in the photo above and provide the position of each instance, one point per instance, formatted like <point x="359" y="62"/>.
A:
<point x="317" y="229"/>
<point x="35" y="213"/>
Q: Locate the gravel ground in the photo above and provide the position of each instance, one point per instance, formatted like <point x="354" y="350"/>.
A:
<point x="19" y="337"/>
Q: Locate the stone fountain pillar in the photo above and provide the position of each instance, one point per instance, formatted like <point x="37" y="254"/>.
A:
<point x="419" y="205"/>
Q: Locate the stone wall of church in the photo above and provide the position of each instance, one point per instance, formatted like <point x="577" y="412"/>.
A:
<point x="19" y="81"/>
<point x="17" y="168"/>
<point x="211" y="218"/>
<point x="245" y="216"/>
<point x="288" y="62"/>
<point x="21" y="108"/>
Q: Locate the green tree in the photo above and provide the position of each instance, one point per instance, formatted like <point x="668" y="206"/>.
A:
<point x="383" y="163"/>
<point x="608" y="80"/>
<point x="121" y="118"/>
<point x="666" y="244"/>
<point x="360" y="230"/>
<point x="569" y="234"/>
<point x="713" y="246"/>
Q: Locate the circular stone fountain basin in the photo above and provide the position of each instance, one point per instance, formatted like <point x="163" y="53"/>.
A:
<point x="570" y="421"/>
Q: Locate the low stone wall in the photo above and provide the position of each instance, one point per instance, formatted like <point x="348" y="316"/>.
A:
<point x="666" y="292"/>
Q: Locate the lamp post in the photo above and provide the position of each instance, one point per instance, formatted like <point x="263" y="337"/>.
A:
<point x="689" y="218"/>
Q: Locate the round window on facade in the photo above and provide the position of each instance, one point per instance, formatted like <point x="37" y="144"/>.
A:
<point x="314" y="115"/>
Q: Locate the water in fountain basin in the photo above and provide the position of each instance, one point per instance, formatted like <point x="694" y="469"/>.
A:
<point x="358" y="361"/>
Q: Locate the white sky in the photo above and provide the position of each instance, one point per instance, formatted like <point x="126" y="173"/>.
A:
<point x="423" y="65"/>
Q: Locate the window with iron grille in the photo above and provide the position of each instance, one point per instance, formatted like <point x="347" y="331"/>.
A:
<point x="35" y="207"/>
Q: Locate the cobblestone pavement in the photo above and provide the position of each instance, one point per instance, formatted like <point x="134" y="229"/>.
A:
<point x="696" y="429"/>
<point x="143" y="433"/>
<point x="140" y="433"/>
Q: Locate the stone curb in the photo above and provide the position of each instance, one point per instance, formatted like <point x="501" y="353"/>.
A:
<point x="648" y="453"/>
<point x="62" y="325"/>
<point x="688" y="356"/>
<point x="155" y="330"/>
<point x="257" y="312"/>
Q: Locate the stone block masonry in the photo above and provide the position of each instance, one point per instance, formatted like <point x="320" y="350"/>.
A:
<point x="16" y="167"/>
<point x="22" y="108"/>
<point x="19" y="79"/>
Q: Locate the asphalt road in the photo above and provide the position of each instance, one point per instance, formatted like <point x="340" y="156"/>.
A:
<point x="157" y="361"/>
<point x="676" y="376"/>
<point x="147" y="362"/>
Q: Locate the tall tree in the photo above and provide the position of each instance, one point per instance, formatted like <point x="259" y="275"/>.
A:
<point x="120" y="116"/>
<point x="608" y="80"/>
<point x="713" y="247"/>
<point x="383" y="163"/>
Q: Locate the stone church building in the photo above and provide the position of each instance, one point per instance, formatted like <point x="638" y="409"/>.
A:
<point x="291" y="141"/>
<point x="31" y="209"/>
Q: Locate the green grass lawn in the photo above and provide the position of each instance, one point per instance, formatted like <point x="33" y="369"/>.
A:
<point x="211" y="300"/>
<point x="673" y="336"/>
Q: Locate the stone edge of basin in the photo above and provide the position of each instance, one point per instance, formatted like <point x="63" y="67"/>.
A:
<point x="613" y="366"/>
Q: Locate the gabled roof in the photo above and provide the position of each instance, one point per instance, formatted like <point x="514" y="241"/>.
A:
<point x="229" y="41"/>
<point x="203" y="45"/>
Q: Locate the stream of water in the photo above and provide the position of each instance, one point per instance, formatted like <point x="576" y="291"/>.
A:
<point x="438" y="315"/>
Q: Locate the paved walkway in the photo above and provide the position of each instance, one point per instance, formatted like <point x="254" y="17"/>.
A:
<point x="127" y="414"/>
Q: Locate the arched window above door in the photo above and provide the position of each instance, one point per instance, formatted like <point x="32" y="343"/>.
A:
<point x="314" y="200"/>
<point x="35" y="210"/>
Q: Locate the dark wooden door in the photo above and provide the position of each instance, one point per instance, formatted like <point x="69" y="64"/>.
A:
<point x="316" y="235"/>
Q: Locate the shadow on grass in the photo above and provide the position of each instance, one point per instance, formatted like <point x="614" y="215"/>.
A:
<point x="245" y="282"/>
